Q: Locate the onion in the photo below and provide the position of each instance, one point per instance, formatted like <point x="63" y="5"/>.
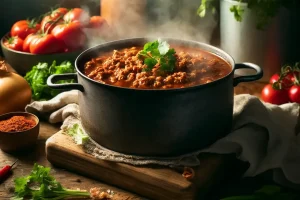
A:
<point x="15" y="92"/>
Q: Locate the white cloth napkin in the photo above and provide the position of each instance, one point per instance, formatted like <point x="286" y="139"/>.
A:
<point x="263" y="135"/>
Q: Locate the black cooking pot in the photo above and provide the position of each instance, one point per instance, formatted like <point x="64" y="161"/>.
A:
<point x="155" y="122"/>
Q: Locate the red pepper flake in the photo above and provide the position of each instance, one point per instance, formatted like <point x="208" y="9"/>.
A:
<point x="16" y="124"/>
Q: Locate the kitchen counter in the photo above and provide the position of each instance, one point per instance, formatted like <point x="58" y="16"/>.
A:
<point x="69" y="179"/>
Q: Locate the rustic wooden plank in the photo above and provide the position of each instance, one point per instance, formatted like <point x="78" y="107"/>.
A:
<point x="153" y="182"/>
<point x="150" y="181"/>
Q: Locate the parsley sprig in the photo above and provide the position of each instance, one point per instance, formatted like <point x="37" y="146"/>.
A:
<point x="158" y="52"/>
<point x="40" y="185"/>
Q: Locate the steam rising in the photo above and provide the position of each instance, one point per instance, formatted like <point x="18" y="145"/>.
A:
<point x="156" y="18"/>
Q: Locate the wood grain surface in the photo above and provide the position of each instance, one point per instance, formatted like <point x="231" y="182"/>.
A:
<point x="150" y="181"/>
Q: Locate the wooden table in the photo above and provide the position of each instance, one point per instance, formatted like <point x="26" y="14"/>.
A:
<point x="69" y="179"/>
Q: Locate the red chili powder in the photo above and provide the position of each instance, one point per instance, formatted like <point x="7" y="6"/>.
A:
<point x="16" y="124"/>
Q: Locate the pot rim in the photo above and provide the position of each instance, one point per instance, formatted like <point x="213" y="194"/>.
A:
<point x="207" y="47"/>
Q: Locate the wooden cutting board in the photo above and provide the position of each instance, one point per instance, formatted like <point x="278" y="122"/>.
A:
<point x="149" y="181"/>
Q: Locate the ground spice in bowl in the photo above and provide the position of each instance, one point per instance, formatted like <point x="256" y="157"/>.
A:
<point x="17" y="124"/>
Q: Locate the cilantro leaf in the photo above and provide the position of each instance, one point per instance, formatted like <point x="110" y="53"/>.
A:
<point x="38" y="75"/>
<point x="238" y="12"/>
<point x="163" y="47"/>
<point x="78" y="134"/>
<point x="158" y="53"/>
<point x="40" y="185"/>
<point x="150" y="62"/>
<point x="20" y="186"/>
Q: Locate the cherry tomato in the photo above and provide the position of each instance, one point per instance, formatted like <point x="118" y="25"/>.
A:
<point x="45" y="44"/>
<point x="77" y="14"/>
<point x="97" y="22"/>
<point x="55" y="17"/>
<point x="274" y="78"/>
<point x="71" y="34"/>
<point x="290" y="79"/>
<point x="23" y="28"/>
<point x="287" y="81"/>
<point x="294" y="93"/>
<point x="14" y="43"/>
<point x="48" y="23"/>
<point x="58" y="12"/>
<point x="27" y="42"/>
<point x="274" y="96"/>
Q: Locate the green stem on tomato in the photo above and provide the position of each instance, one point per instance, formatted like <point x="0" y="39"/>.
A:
<point x="51" y="24"/>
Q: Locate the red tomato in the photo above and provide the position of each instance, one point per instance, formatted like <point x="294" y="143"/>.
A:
<point x="54" y="18"/>
<point x="45" y="44"/>
<point x="287" y="81"/>
<point x="290" y="79"/>
<point x="14" y="43"/>
<point x="274" y="96"/>
<point x="77" y="14"/>
<point x="71" y="34"/>
<point x="23" y="28"/>
<point x="58" y="12"/>
<point x="49" y="23"/>
<point x="294" y="93"/>
<point x="27" y="42"/>
<point x="274" y="78"/>
<point x="97" y="22"/>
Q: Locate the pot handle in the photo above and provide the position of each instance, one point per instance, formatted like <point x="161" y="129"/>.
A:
<point x="257" y="76"/>
<point x="64" y="86"/>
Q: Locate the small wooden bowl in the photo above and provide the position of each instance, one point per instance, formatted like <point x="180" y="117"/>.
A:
<point x="16" y="141"/>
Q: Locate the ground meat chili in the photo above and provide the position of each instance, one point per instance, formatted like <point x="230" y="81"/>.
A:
<point x="16" y="124"/>
<point x="124" y="68"/>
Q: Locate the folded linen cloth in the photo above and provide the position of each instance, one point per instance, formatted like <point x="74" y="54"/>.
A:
<point x="263" y="135"/>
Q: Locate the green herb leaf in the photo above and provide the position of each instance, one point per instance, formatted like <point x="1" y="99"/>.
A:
<point x="38" y="75"/>
<point x="158" y="53"/>
<point x="163" y="47"/>
<point x="78" y="134"/>
<point x="40" y="185"/>
<point x="238" y="12"/>
<point x="263" y="10"/>
<point x="207" y="5"/>
<point x="150" y="62"/>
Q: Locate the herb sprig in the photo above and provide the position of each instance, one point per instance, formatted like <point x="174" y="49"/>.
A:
<point x="264" y="10"/>
<point x="40" y="185"/>
<point x="158" y="52"/>
<point x="38" y="75"/>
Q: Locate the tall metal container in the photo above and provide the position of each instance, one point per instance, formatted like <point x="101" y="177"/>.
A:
<point x="269" y="48"/>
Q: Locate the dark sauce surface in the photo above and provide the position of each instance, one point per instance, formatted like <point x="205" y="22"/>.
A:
<point x="123" y="68"/>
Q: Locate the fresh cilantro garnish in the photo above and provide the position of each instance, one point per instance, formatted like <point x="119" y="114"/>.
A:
<point x="40" y="185"/>
<point x="158" y="52"/>
<point x="78" y="134"/>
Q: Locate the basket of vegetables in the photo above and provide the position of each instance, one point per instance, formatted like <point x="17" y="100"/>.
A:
<point x="58" y="35"/>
